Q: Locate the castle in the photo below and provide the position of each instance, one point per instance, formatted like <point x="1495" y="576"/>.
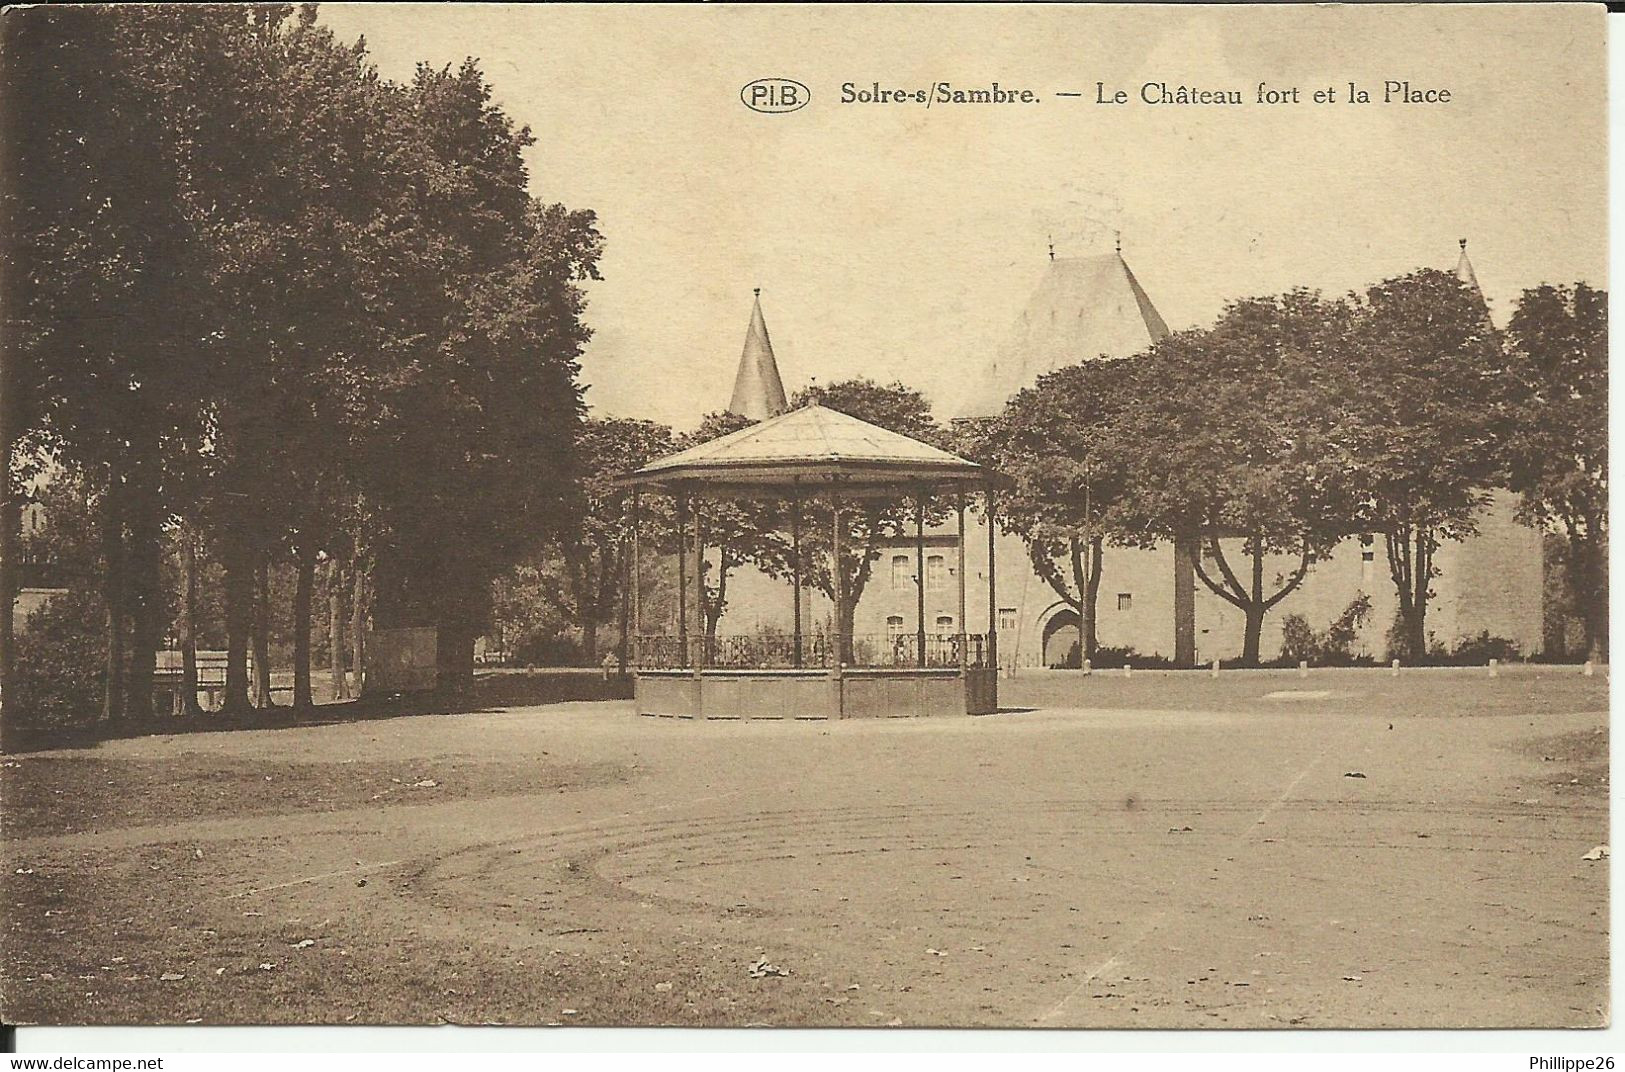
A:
<point x="1149" y="600"/>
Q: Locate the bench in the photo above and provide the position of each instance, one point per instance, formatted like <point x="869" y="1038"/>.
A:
<point x="211" y="676"/>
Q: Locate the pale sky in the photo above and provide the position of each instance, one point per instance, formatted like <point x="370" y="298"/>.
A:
<point x="897" y="241"/>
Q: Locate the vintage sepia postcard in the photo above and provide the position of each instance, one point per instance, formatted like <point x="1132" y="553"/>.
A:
<point x="931" y="516"/>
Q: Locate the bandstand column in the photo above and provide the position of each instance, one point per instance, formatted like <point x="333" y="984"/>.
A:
<point x="702" y="638"/>
<point x="919" y="577"/>
<point x="964" y="655"/>
<point x="682" y="579"/>
<point x="637" y="600"/>
<point x="795" y="573"/>
<point x="836" y="573"/>
<point x="992" y="588"/>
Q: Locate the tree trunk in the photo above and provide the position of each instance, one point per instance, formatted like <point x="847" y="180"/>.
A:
<point x="1254" y="610"/>
<point x="621" y="644"/>
<point x="1253" y="636"/>
<point x="843" y="629"/>
<point x="262" y="632"/>
<point x="1410" y="563"/>
<point x="335" y="630"/>
<point x="10" y="519"/>
<point x="1091" y="598"/>
<point x="455" y="654"/>
<point x="144" y="581"/>
<point x="715" y="605"/>
<point x="304" y="581"/>
<point x="1588" y="583"/>
<point x="1416" y="633"/>
<point x="1248" y="598"/>
<point x="358" y="623"/>
<point x="186" y="622"/>
<point x="113" y="596"/>
<point x="239" y="564"/>
<point x="589" y="637"/>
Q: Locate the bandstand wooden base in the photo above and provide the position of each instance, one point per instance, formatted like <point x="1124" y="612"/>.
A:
<point x="816" y="694"/>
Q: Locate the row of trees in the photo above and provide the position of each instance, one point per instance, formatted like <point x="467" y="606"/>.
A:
<point x="1290" y="425"/>
<point x="271" y="307"/>
<point x="1298" y="421"/>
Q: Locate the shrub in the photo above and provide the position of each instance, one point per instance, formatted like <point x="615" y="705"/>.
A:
<point x="1301" y="643"/>
<point x="1107" y="658"/>
<point x="1479" y="650"/>
<point x="60" y="661"/>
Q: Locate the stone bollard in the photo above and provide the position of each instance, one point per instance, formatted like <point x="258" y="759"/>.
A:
<point x="1215" y="670"/>
<point x="1589" y="670"/>
<point x="1128" y="671"/>
<point x="1495" y="668"/>
<point x="1087" y="669"/>
<point x="1303" y="668"/>
<point x="1395" y="670"/>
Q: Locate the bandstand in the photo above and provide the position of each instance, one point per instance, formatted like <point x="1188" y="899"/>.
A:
<point x="806" y="455"/>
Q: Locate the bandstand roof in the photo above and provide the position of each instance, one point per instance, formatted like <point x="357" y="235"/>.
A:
<point x="812" y="446"/>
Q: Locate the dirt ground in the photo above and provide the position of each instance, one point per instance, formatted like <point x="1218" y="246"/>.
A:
<point x="1168" y="850"/>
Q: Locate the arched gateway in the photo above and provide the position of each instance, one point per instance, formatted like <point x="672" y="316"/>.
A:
<point x="1063" y="639"/>
<point x="812" y="454"/>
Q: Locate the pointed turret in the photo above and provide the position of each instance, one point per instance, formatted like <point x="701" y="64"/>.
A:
<point x="758" y="391"/>
<point x="1082" y="309"/>
<point x="1464" y="270"/>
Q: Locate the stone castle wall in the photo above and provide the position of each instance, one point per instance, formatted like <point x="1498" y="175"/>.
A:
<point x="1490" y="582"/>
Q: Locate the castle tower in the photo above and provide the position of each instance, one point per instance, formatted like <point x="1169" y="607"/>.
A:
<point x="1464" y="270"/>
<point x="1083" y="308"/>
<point x="1493" y="581"/>
<point x="758" y="391"/>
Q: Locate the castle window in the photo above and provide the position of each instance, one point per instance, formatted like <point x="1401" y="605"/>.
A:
<point x="894" y="625"/>
<point x="901" y="575"/>
<point x="1368" y="556"/>
<point x="1125" y="601"/>
<point x="936" y="573"/>
<point x="945" y="623"/>
<point x="1007" y="618"/>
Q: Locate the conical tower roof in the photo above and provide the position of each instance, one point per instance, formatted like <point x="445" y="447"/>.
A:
<point x="758" y="391"/>
<point x="1084" y="308"/>
<point x="1464" y="270"/>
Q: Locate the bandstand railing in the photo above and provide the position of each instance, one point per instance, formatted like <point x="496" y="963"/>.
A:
<point x="863" y="651"/>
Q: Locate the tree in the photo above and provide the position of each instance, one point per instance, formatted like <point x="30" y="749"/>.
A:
<point x="1240" y="432"/>
<point x="1557" y="444"/>
<point x="587" y="562"/>
<point x="733" y="531"/>
<point x="100" y="287"/>
<point x="1423" y="376"/>
<point x="866" y="523"/>
<point x="1065" y="470"/>
<point x="469" y="459"/>
<point x="254" y="283"/>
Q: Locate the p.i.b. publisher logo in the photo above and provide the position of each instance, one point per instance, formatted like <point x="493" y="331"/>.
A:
<point x="775" y="96"/>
